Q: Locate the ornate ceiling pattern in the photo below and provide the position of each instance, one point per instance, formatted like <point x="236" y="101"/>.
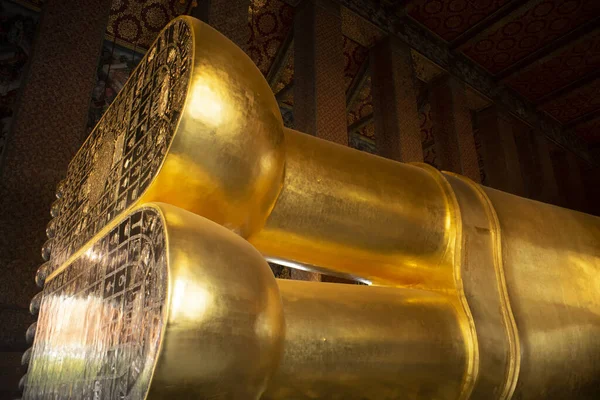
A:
<point x="547" y="51"/>
<point x="568" y="65"/>
<point x="589" y="130"/>
<point x="575" y="104"/>
<point x="449" y="19"/>
<point x="532" y="27"/>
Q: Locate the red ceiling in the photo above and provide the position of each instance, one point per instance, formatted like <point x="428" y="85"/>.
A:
<point x="568" y="65"/>
<point x="527" y="30"/>
<point x="575" y="104"/>
<point x="546" y="50"/>
<point x="451" y="18"/>
<point x="589" y="130"/>
<point x="500" y="35"/>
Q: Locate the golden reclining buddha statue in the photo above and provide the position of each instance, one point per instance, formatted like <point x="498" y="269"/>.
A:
<point x="157" y="284"/>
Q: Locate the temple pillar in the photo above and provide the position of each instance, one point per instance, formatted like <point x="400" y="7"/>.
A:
<point x="499" y="150"/>
<point x="453" y="129"/>
<point x="576" y="196"/>
<point x="319" y="90"/>
<point x="319" y="94"/>
<point x="536" y="165"/>
<point x="49" y="127"/>
<point x="528" y="161"/>
<point x="230" y="17"/>
<point x="549" y="187"/>
<point x="591" y="182"/>
<point x="571" y="190"/>
<point x="395" y="109"/>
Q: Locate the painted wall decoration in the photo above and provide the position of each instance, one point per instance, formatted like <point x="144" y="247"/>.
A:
<point x="270" y="21"/>
<point x="18" y="24"/>
<point x="363" y="138"/>
<point x="354" y="57"/>
<point x="114" y="68"/>
<point x="139" y="21"/>
<point x="427" y="138"/>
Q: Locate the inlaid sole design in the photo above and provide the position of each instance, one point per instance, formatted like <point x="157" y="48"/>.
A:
<point x="126" y="148"/>
<point x="101" y="317"/>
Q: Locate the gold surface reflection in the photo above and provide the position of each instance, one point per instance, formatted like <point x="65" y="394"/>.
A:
<point x="476" y="293"/>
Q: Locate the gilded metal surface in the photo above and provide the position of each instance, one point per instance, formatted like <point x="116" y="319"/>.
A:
<point x="193" y="108"/>
<point x="161" y="304"/>
<point x="167" y="304"/>
<point x="102" y="316"/>
<point x="551" y="259"/>
<point x="358" y="342"/>
<point x="498" y="292"/>
<point x="485" y="289"/>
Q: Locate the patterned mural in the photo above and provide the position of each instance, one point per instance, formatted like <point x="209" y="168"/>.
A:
<point x="18" y="23"/>
<point x="115" y="65"/>
<point x="363" y="108"/>
<point x="270" y="21"/>
<point x="138" y="21"/>
<point x="132" y="27"/>
<point x="355" y="56"/>
<point x="286" y="80"/>
<point x="427" y="138"/>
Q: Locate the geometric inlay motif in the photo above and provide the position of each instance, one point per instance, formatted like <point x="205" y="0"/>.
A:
<point x="126" y="148"/>
<point x="101" y="317"/>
